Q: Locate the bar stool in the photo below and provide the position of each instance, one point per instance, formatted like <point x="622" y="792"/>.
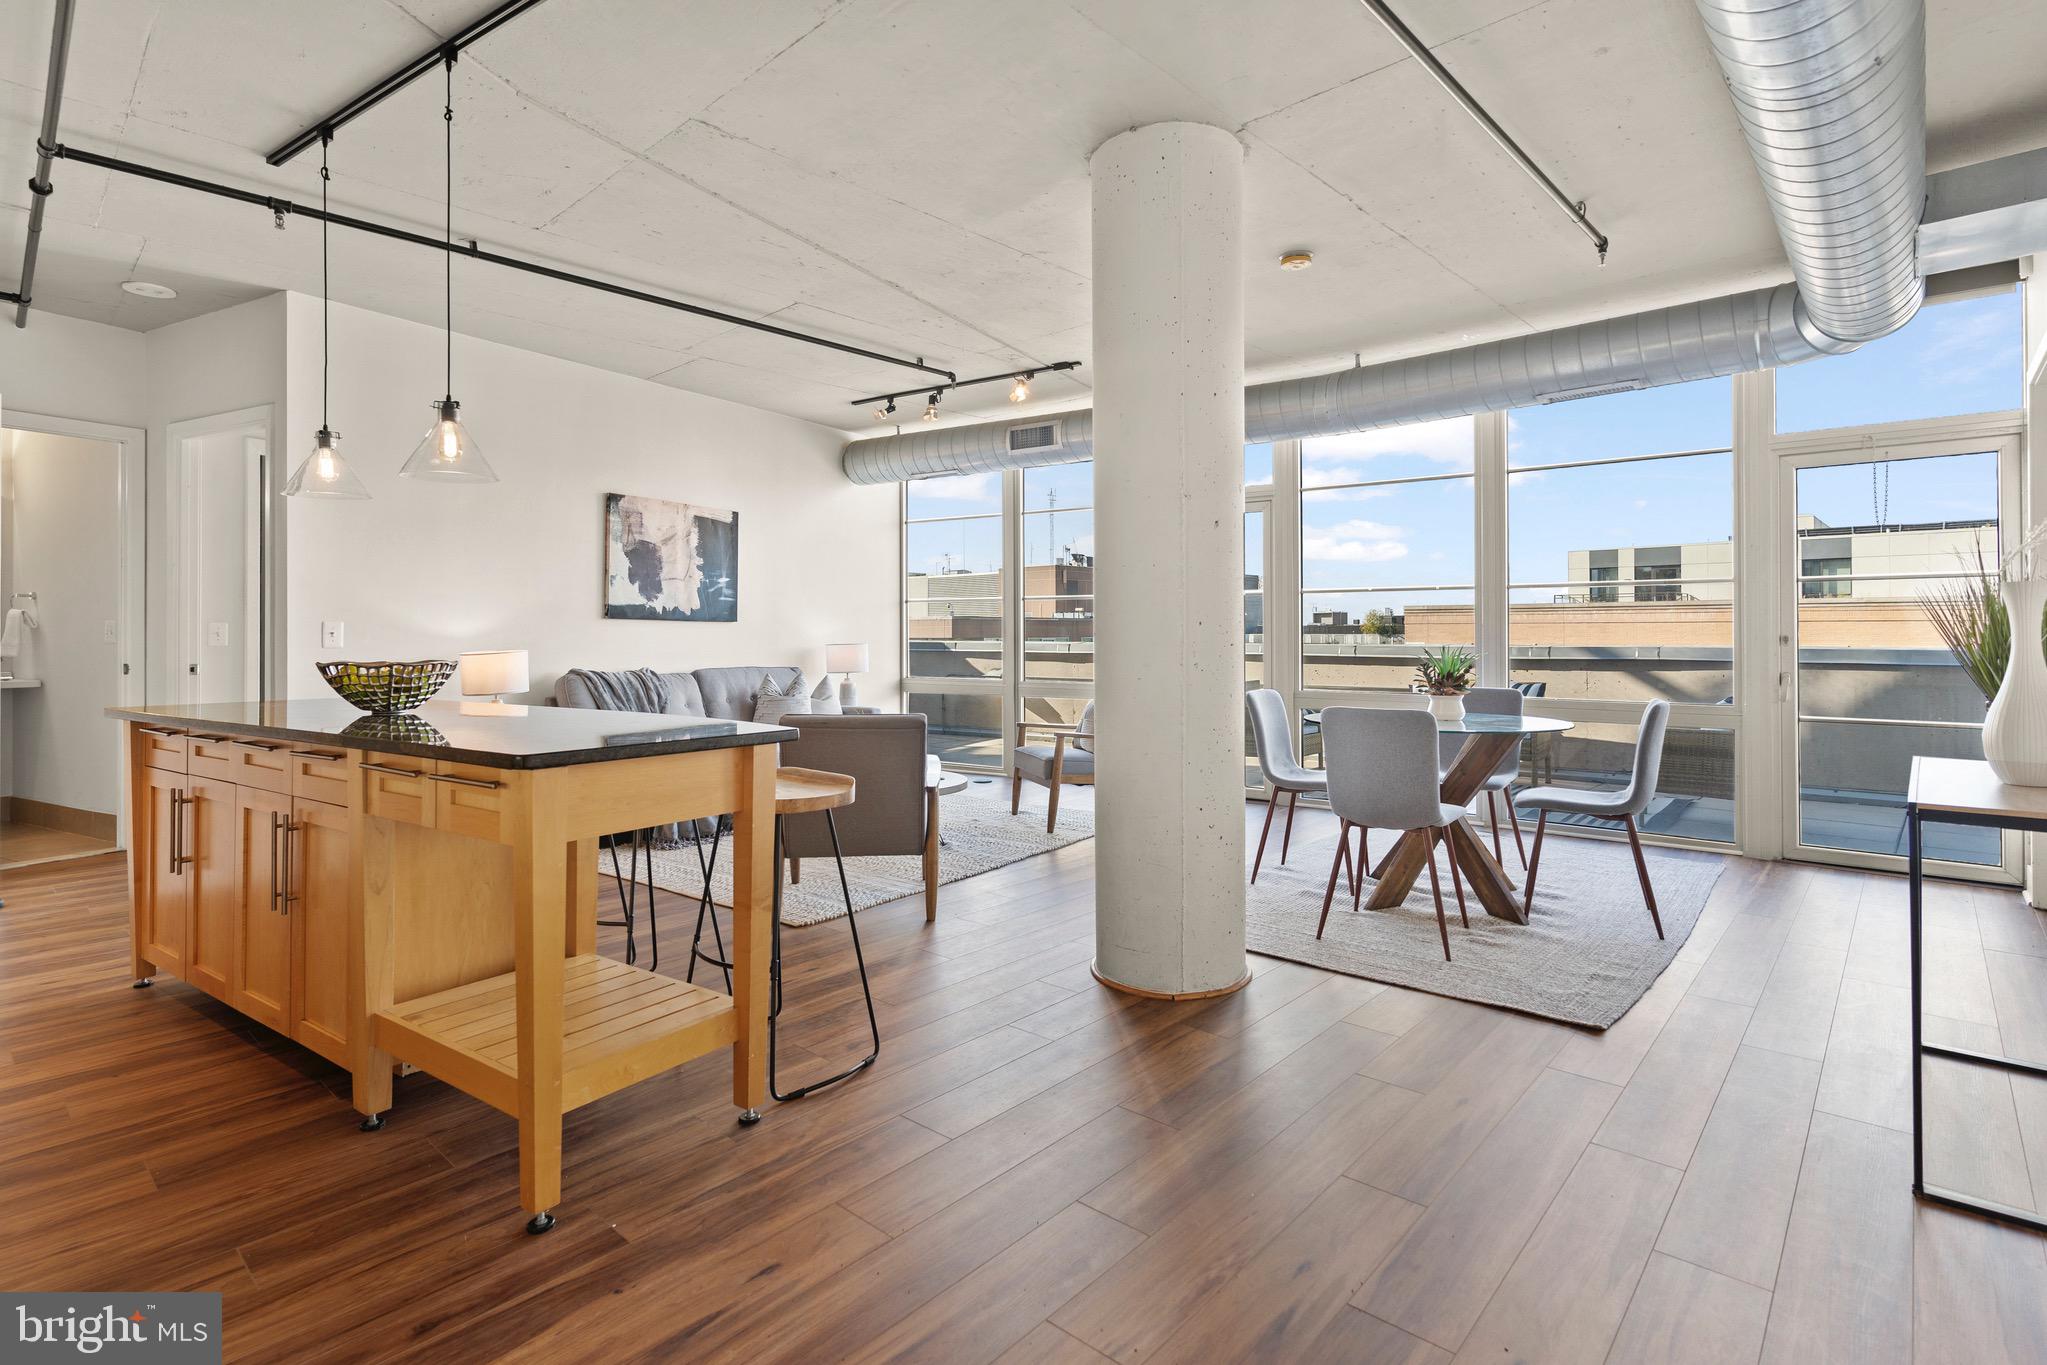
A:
<point x="805" y="791"/>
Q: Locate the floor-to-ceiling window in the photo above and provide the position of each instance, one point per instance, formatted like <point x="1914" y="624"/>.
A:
<point x="1621" y="588"/>
<point x="1597" y="553"/>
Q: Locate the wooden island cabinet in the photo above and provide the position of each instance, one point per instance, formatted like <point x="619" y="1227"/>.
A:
<point x="422" y="890"/>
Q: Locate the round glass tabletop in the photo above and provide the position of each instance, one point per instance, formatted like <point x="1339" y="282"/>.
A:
<point x="1477" y="723"/>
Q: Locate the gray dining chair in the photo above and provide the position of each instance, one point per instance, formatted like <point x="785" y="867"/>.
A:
<point x="1494" y="701"/>
<point x="1382" y="775"/>
<point x="1283" y="773"/>
<point x="1622" y="805"/>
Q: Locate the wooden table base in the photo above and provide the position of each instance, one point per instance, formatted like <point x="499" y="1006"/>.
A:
<point x="1483" y="876"/>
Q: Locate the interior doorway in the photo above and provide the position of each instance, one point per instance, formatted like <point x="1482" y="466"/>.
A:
<point x="71" y="565"/>
<point x="216" y="629"/>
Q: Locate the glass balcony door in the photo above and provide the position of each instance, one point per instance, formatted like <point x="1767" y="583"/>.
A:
<point x="1872" y="546"/>
<point x="1257" y="596"/>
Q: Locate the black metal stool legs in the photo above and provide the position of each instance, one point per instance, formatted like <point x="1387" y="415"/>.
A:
<point x="629" y="895"/>
<point x="775" y="971"/>
<point x="704" y="908"/>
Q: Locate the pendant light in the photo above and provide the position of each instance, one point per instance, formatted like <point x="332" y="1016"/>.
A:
<point x="324" y="474"/>
<point x="448" y="452"/>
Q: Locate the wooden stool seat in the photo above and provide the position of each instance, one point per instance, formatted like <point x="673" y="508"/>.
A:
<point x="800" y="790"/>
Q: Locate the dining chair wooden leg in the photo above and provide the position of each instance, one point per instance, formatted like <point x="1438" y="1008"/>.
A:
<point x="1335" y="866"/>
<point x="1286" y="839"/>
<point x="1642" y="871"/>
<point x="1015" y="790"/>
<point x="1492" y="809"/>
<point x="1515" y="821"/>
<point x="795" y="871"/>
<point x="1436" y="888"/>
<point x="1271" y="803"/>
<point x="1357" y="867"/>
<point x="1456" y="877"/>
<point x="1350" y="866"/>
<point x="1534" y="860"/>
<point x="1052" y="807"/>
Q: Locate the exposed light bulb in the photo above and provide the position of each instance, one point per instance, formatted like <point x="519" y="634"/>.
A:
<point x="324" y="474"/>
<point x="323" y="464"/>
<point x="931" y="407"/>
<point x="451" y="443"/>
<point x="885" y="411"/>
<point x="1021" y="389"/>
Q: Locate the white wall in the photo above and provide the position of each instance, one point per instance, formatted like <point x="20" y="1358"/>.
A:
<point x="61" y="539"/>
<point x="428" y="571"/>
<point x="62" y="367"/>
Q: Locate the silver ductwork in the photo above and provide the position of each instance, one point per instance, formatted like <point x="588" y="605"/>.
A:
<point x="1832" y="97"/>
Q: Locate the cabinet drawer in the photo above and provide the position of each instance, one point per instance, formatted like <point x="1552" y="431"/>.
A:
<point x="263" y="764"/>
<point x="469" y="800"/>
<point x="319" y="775"/>
<point x="211" y="756"/>
<point x="395" y="788"/>
<point x="162" y="748"/>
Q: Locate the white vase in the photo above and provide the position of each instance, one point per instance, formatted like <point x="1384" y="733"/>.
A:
<point x="2015" y="731"/>
<point x="1446" y="708"/>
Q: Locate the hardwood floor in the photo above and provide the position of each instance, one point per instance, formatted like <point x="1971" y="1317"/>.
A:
<point x="1038" y="1170"/>
<point x="22" y="844"/>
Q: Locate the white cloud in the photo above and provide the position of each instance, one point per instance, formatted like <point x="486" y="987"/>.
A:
<point x="983" y="490"/>
<point x="1353" y="542"/>
<point x="1333" y="459"/>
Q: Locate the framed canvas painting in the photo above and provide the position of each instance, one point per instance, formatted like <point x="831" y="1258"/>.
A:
<point x="669" y="561"/>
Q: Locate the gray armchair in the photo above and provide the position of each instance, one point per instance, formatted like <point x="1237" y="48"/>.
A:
<point x="895" y="805"/>
<point x="1048" y="765"/>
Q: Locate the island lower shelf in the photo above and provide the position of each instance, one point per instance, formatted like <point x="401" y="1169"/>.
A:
<point x="621" y="1024"/>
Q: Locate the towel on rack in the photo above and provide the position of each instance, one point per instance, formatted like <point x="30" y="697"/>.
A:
<point x="11" y="634"/>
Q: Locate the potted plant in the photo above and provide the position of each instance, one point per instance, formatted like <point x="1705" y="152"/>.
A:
<point x="1445" y="676"/>
<point x="1979" y="618"/>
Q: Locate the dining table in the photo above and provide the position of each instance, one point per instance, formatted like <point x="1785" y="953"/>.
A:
<point x="1488" y="738"/>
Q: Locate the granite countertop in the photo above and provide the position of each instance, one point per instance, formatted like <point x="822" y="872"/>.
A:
<point x="486" y="734"/>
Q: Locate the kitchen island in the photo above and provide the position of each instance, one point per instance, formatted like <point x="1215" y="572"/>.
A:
<point x="421" y="889"/>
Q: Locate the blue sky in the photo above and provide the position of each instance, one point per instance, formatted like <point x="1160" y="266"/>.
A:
<point x="1954" y="358"/>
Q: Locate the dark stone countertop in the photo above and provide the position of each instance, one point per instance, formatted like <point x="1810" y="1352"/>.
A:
<point x="483" y="733"/>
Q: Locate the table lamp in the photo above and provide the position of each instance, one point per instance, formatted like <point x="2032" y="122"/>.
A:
<point x="494" y="672"/>
<point x="847" y="660"/>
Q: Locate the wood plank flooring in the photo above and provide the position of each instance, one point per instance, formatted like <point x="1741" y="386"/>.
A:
<point x="1039" y="1170"/>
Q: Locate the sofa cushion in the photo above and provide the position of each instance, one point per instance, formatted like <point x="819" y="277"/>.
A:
<point x="728" y="693"/>
<point x="683" y="697"/>
<point x="824" y="699"/>
<point x="773" y="703"/>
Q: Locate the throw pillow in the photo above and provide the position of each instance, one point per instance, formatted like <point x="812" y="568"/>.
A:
<point x="771" y="703"/>
<point x="1083" y="741"/>
<point x="824" y="701"/>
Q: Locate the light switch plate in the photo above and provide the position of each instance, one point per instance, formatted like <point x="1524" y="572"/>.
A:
<point x="330" y="634"/>
<point x="216" y="633"/>
<point x="108" y="633"/>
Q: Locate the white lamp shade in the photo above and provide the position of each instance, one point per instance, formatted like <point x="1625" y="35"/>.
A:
<point x="493" y="672"/>
<point x="845" y="658"/>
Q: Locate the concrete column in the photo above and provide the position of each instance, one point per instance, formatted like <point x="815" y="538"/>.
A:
<point x="1169" y="546"/>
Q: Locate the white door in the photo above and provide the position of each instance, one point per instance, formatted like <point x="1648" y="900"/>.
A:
<point x="217" y="618"/>
<point x="1875" y="541"/>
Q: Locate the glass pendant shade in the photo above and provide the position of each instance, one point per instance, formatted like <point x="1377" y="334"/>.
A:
<point x="448" y="452"/>
<point x="324" y="474"/>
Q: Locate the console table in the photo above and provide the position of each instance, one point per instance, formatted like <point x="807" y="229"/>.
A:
<point x="1954" y="791"/>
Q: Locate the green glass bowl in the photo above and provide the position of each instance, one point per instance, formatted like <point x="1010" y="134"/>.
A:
<point x="385" y="689"/>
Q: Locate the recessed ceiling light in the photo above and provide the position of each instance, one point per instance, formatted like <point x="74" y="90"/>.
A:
<point x="143" y="289"/>
<point x="1297" y="260"/>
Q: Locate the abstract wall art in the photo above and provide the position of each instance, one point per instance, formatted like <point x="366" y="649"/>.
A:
<point x="669" y="561"/>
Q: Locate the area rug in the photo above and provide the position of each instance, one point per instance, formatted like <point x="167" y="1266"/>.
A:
<point x="979" y="832"/>
<point x="1586" y="955"/>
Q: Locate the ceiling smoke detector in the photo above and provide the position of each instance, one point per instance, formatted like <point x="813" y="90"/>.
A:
<point x="143" y="289"/>
<point x="1297" y="260"/>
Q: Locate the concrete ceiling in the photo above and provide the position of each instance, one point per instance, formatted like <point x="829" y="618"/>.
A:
<point x="911" y="175"/>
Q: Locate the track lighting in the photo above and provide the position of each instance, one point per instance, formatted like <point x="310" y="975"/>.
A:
<point x="448" y="452"/>
<point x="886" y="411"/>
<point x="324" y="474"/>
<point x="931" y="407"/>
<point x="1021" y="389"/>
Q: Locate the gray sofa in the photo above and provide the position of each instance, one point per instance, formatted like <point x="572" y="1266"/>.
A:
<point x="894" y="811"/>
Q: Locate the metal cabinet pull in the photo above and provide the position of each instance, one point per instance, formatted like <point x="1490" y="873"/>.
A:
<point x="463" y="781"/>
<point x="289" y="895"/>
<point x="178" y="857"/>
<point x="276" y="823"/>
<point x="394" y="772"/>
<point x="257" y="745"/>
<point x="161" y="734"/>
<point x="319" y="758"/>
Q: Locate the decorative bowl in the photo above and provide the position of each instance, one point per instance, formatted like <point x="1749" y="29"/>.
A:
<point x="385" y="688"/>
<point x="403" y="728"/>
